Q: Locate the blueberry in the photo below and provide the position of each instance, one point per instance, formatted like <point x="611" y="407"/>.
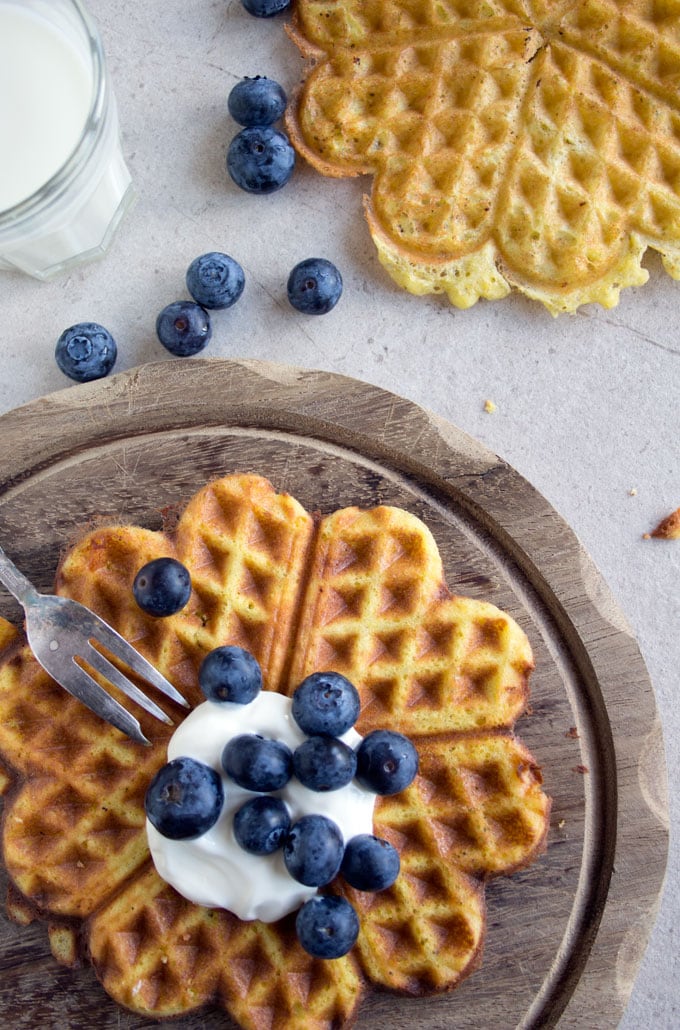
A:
<point x="261" y="825"/>
<point x="327" y="926"/>
<point x="183" y="328"/>
<point x="386" y="762"/>
<point x="162" y="587"/>
<point x="370" y="863"/>
<point x="184" y="799"/>
<point x="258" y="101"/>
<point x="86" y="351"/>
<point x="215" y="280"/>
<point x="265" y="8"/>
<point x="314" y="286"/>
<point x="325" y="703"/>
<point x="313" y="850"/>
<point x="257" y="763"/>
<point x="324" y="763"/>
<point x="260" y="159"/>
<point x="230" y="674"/>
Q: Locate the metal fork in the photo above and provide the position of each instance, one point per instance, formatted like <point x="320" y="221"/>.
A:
<point x="60" y="630"/>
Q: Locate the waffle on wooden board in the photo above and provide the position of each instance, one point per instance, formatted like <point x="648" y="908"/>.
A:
<point x="360" y="591"/>
<point x="511" y="144"/>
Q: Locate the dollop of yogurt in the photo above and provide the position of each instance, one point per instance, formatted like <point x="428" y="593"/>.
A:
<point x="213" y="870"/>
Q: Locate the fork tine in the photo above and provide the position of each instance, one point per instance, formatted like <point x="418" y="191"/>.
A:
<point x="119" y="646"/>
<point x="102" y="664"/>
<point x="81" y="685"/>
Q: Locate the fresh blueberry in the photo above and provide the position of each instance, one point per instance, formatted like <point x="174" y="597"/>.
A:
<point x="215" y="280"/>
<point x="257" y="763"/>
<point x="327" y="926"/>
<point x="325" y="704"/>
<point x="258" y="101"/>
<point x="314" y="286"/>
<point x="162" y="587"/>
<point x="86" y="351"/>
<point x="370" y="863"/>
<point x="313" y="850"/>
<point x="260" y="159"/>
<point x="184" y="799"/>
<point x="386" y="762"/>
<point x="183" y="328"/>
<point x="229" y="673"/>
<point x="324" y="763"/>
<point x="265" y="8"/>
<point x="261" y="825"/>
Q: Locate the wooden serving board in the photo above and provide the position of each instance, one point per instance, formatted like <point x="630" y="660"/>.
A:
<point x="564" y="937"/>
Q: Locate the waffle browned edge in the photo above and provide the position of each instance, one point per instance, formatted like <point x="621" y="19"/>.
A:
<point x="65" y="937"/>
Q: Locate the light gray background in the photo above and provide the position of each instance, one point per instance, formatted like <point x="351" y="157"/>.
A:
<point x="587" y="405"/>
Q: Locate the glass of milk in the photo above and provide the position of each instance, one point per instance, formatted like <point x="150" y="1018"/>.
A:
<point x="64" y="185"/>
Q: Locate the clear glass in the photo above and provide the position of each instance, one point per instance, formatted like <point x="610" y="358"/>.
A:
<point x="72" y="217"/>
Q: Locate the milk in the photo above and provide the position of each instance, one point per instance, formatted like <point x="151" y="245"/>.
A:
<point x="64" y="184"/>
<point x="45" y="95"/>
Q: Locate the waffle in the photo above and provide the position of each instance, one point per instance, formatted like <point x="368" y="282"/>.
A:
<point x="512" y="143"/>
<point x="360" y="591"/>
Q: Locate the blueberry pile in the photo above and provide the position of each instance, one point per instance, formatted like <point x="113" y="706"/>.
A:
<point x="214" y="280"/>
<point x="260" y="158"/>
<point x="88" y="351"/>
<point x="185" y="797"/>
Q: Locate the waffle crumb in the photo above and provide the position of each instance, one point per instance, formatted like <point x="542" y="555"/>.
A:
<point x="668" y="528"/>
<point x="511" y="146"/>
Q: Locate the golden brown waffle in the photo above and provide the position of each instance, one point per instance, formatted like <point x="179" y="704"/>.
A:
<point x="513" y="143"/>
<point x="362" y="592"/>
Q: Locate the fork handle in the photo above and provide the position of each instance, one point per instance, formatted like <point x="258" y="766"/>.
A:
<point x="15" y="581"/>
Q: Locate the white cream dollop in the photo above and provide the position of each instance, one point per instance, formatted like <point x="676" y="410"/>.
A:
<point x="213" y="870"/>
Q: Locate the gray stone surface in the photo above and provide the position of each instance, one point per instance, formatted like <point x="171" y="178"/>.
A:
<point x="587" y="405"/>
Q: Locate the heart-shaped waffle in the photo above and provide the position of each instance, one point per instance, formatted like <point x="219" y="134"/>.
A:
<point x="512" y="143"/>
<point x="358" y="591"/>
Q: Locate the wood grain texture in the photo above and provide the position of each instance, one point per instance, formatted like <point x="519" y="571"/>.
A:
<point x="565" y="937"/>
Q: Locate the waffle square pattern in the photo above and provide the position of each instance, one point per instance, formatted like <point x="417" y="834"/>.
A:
<point x="512" y="143"/>
<point x="361" y="592"/>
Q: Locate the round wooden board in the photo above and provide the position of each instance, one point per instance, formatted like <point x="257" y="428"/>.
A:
<point x="564" y="937"/>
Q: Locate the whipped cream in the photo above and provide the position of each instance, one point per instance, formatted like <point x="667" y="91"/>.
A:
<point x="214" y="870"/>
